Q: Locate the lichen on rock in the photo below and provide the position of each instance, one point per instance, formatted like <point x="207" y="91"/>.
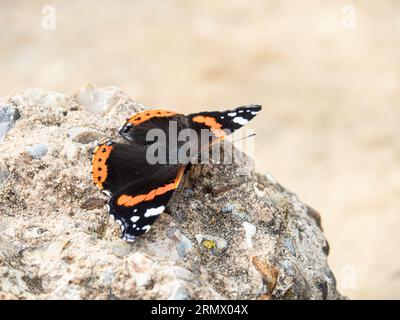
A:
<point x="228" y="235"/>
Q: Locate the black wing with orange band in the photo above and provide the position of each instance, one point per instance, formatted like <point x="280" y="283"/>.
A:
<point x="223" y="123"/>
<point x="139" y="191"/>
<point x="135" y="128"/>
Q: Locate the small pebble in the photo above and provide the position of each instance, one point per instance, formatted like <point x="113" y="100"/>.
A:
<point x="96" y="100"/>
<point x="212" y="243"/>
<point x="140" y="262"/>
<point x="228" y="208"/>
<point x="84" y="135"/>
<point x="183" y="244"/>
<point x="189" y="192"/>
<point x="8" y="116"/>
<point x="250" y="230"/>
<point x="37" y="151"/>
<point x="289" y="245"/>
<point x="199" y="238"/>
<point x="179" y="292"/>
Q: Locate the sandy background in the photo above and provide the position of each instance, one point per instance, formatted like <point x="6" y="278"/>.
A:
<point x="329" y="81"/>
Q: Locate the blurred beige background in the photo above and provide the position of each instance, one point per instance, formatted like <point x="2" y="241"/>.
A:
<point x="328" y="75"/>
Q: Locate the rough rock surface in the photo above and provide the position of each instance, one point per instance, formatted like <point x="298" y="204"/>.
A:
<point x="8" y="116"/>
<point x="228" y="235"/>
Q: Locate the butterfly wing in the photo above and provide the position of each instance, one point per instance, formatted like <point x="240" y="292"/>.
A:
<point x="136" y="209"/>
<point x="139" y="191"/>
<point x="137" y="127"/>
<point x="224" y="123"/>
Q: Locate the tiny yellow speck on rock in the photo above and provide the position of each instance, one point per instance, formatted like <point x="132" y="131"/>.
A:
<point x="209" y="244"/>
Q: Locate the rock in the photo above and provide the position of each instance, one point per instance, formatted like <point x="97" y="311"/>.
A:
<point x="71" y="151"/>
<point x="38" y="150"/>
<point x="268" y="273"/>
<point x="96" y="100"/>
<point x="180" y="273"/>
<point x="93" y="203"/>
<point x="33" y="232"/>
<point x="199" y="238"/>
<point x="4" y="173"/>
<point x="250" y="231"/>
<point x="8" y="116"/>
<point x="121" y="248"/>
<point x="215" y="245"/>
<point x="179" y="292"/>
<point x="183" y="244"/>
<point x="107" y="276"/>
<point x="236" y="234"/>
<point x="229" y="208"/>
<point x="232" y="209"/>
<point x="140" y="266"/>
<point x="84" y="135"/>
<point x="140" y="262"/>
<point x="189" y="192"/>
<point x="289" y="245"/>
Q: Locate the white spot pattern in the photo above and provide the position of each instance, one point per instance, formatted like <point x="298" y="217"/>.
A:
<point x="240" y="120"/>
<point x="129" y="238"/>
<point x="154" y="211"/>
<point x="135" y="218"/>
<point x="146" y="228"/>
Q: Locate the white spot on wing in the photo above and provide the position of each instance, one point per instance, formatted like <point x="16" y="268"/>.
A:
<point x="146" y="228"/>
<point x="240" y="111"/>
<point x="240" y="120"/>
<point x="232" y="114"/>
<point x="129" y="238"/>
<point x="254" y="112"/>
<point x="135" y="218"/>
<point x="154" y="211"/>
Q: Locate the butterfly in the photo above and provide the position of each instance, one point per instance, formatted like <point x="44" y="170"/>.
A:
<point x="140" y="189"/>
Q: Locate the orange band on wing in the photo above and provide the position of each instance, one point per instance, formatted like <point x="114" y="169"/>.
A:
<point x="141" y="117"/>
<point x="130" y="201"/>
<point x="99" y="168"/>
<point x="215" y="127"/>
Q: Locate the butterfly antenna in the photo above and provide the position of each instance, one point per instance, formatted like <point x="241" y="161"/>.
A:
<point x="206" y="153"/>
<point x="242" y="138"/>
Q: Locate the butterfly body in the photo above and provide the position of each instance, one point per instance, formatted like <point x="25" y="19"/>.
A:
<point x="140" y="187"/>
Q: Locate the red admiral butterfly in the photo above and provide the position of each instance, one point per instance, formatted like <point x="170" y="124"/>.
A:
<point x="140" y="190"/>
